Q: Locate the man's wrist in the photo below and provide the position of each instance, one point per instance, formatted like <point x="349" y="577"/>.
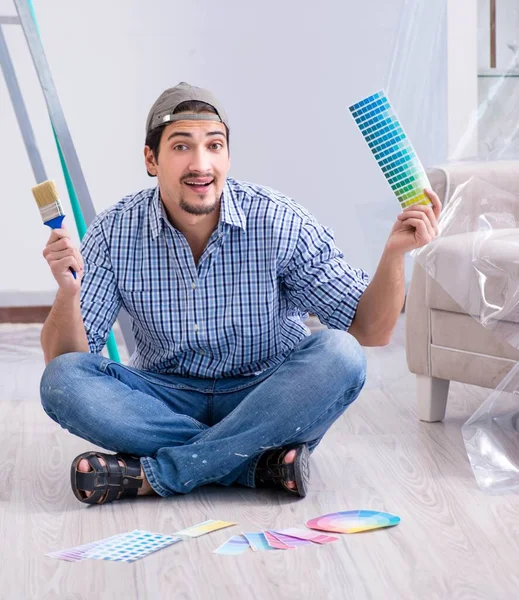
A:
<point x="393" y="256"/>
<point x="68" y="295"/>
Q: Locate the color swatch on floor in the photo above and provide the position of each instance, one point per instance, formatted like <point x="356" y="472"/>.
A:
<point x="78" y="553"/>
<point x="353" y="521"/>
<point x="258" y="541"/>
<point x="126" y="547"/>
<point x="272" y="540"/>
<point x="304" y="534"/>
<point x="293" y="542"/>
<point x="276" y="543"/>
<point x="233" y="546"/>
<point x="129" y="547"/>
<point x="132" y="546"/>
<point x="392" y="149"/>
<point x="203" y="528"/>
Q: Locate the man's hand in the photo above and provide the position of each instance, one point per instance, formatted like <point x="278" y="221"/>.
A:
<point x="62" y="255"/>
<point x="416" y="226"/>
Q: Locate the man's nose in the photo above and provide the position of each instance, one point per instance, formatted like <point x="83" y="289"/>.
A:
<point x="200" y="161"/>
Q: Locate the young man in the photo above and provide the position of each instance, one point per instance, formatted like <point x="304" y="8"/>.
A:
<point x="225" y="384"/>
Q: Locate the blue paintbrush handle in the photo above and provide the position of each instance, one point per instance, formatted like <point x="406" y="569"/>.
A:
<point x="56" y="224"/>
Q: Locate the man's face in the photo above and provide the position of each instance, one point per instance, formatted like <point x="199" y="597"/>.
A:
<point x="192" y="166"/>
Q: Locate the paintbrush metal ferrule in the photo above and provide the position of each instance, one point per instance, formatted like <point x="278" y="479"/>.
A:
<point x="51" y="211"/>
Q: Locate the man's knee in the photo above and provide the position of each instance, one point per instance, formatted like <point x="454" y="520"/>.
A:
<point x="58" y="381"/>
<point x="344" y="357"/>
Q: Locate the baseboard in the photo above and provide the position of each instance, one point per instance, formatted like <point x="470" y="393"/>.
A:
<point x="12" y="298"/>
<point x="25" y="307"/>
<point x="23" y="314"/>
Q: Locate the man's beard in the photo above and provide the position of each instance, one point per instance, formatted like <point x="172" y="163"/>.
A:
<point x="199" y="210"/>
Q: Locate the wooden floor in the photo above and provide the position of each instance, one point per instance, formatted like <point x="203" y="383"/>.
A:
<point x="453" y="541"/>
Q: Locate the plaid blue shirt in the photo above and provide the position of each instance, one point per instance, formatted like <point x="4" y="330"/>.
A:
<point x="240" y="310"/>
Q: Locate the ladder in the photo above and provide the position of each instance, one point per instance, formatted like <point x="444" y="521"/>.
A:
<point x="80" y="199"/>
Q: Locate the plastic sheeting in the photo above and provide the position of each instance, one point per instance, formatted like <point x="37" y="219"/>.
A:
<point x="475" y="260"/>
<point x="491" y="438"/>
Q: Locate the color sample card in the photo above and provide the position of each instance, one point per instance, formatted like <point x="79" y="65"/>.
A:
<point x="284" y="539"/>
<point x="258" y="541"/>
<point x="353" y="521"/>
<point x="392" y="149"/>
<point x="125" y="547"/>
<point x="233" y="546"/>
<point x="78" y="553"/>
<point x="132" y="546"/>
<point x="203" y="528"/>
<point x="290" y="541"/>
<point x="304" y="534"/>
<point x="273" y="542"/>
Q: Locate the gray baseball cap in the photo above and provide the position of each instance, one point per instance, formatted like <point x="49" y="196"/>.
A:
<point x="162" y="111"/>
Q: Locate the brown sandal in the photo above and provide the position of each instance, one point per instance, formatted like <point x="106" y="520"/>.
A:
<point x="108" y="482"/>
<point x="272" y="472"/>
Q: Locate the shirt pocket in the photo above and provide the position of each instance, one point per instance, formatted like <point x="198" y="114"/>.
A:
<point x="157" y="313"/>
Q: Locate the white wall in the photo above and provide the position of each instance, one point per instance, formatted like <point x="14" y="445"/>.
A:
<point x="286" y="72"/>
<point x="462" y="79"/>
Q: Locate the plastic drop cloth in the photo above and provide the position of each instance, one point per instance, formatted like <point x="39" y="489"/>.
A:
<point x="475" y="260"/>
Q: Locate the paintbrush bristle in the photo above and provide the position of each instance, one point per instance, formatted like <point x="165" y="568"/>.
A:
<point x="47" y="199"/>
<point x="45" y="193"/>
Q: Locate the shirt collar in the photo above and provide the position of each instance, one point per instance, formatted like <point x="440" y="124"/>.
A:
<point x="231" y="211"/>
<point x="155" y="214"/>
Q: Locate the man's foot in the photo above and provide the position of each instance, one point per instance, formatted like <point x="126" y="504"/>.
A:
<point x="97" y="477"/>
<point x="288" y="460"/>
<point x="285" y="468"/>
<point x="145" y="490"/>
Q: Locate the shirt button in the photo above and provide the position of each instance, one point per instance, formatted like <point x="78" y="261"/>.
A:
<point x="193" y="285"/>
<point x="196" y="327"/>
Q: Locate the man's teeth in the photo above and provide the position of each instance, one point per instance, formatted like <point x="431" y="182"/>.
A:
<point x="199" y="184"/>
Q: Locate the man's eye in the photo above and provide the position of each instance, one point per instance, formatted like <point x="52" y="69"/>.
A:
<point x="217" y="146"/>
<point x="179" y="147"/>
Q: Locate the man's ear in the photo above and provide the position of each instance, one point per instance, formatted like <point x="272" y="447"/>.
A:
<point x="149" y="161"/>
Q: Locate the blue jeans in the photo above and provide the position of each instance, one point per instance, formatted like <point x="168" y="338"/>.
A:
<point x="190" y="431"/>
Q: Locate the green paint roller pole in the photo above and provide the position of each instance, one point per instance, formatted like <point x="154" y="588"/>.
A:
<point x="111" y="344"/>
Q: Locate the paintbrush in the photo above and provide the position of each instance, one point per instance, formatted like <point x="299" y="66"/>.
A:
<point x="51" y="211"/>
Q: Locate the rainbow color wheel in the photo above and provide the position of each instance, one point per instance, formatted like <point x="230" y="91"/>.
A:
<point x="353" y="521"/>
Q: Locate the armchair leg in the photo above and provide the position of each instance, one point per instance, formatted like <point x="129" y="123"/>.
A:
<point x="432" y="395"/>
